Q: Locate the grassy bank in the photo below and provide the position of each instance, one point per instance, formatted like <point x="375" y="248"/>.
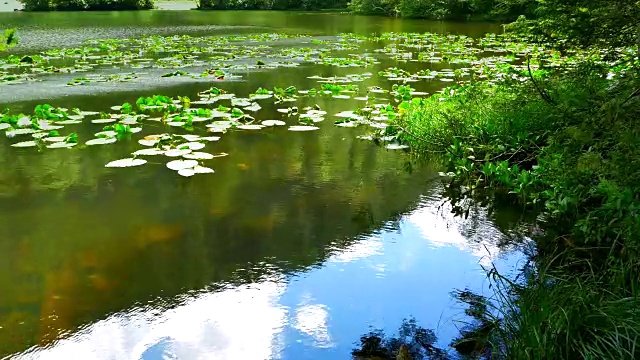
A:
<point x="564" y="145"/>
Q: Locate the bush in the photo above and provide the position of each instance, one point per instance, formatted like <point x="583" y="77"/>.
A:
<point x="80" y="5"/>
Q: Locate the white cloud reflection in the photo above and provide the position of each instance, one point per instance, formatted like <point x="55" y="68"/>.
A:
<point x="359" y="250"/>
<point x="243" y="323"/>
<point x="312" y="320"/>
<point x="246" y="322"/>
<point x="442" y="228"/>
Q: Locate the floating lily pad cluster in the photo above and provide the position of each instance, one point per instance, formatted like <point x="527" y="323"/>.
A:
<point x="491" y="58"/>
<point x="222" y="55"/>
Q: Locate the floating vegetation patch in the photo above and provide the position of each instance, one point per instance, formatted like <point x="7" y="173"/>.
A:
<point x="373" y="98"/>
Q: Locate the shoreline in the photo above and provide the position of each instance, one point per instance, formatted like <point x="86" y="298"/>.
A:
<point x="177" y="5"/>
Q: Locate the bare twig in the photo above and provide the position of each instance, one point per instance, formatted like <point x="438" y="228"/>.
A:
<point x="633" y="94"/>
<point x="422" y="139"/>
<point x="543" y="93"/>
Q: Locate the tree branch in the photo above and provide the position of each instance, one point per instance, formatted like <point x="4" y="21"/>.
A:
<point x="543" y="93"/>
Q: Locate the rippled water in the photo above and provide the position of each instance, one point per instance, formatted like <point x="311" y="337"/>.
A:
<point x="293" y="249"/>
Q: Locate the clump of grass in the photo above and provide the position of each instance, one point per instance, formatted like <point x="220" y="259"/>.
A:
<point x="555" y="314"/>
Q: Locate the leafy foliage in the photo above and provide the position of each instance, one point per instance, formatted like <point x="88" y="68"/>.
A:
<point x="271" y="4"/>
<point x="566" y="146"/>
<point x="79" y="5"/>
<point x="8" y="40"/>
<point x="446" y="9"/>
<point x="566" y="23"/>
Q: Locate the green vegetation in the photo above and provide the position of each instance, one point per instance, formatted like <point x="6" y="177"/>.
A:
<point x="562" y="143"/>
<point x="272" y="4"/>
<point x="545" y="118"/>
<point x="8" y="40"/>
<point x="446" y="9"/>
<point x="81" y="5"/>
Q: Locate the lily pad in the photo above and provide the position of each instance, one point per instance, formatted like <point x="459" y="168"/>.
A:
<point x="176" y="152"/>
<point x="202" y="170"/>
<point x="103" y="121"/>
<point x="186" y="172"/>
<point x="61" y="145"/>
<point x="198" y="156"/>
<point x="128" y="162"/>
<point x="303" y="128"/>
<point x="396" y="147"/>
<point x="149" y="152"/>
<point x="145" y="142"/>
<point x="253" y="107"/>
<point x="55" y="138"/>
<point x="181" y="164"/>
<point x="347" y="124"/>
<point x="69" y="122"/>
<point x="30" y="143"/>
<point x="273" y="123"/>
<point x="192" y="145"/>
<point x="240" y="102"/>
<point x="108" y="133"/>
<point x="12" y="133"/>
<point x="250" y="127"/>
<point x="101" y="141"/>
<point x="260" y="96"/>
<point x="190" y="137"/>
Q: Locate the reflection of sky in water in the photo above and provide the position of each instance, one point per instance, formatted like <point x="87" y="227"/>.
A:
<point x="319" y="314"/>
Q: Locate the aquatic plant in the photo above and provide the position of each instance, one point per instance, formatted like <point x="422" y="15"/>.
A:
<point x="8" y="39"/>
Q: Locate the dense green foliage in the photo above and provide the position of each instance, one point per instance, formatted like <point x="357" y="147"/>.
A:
<point x="564" y="143"/>
<point x="271" y="4"/>
<point x="79" y="5"/>
<point x="568" y="146"/>
<point x="607" y="24"/>
<point x="446" y="9"/>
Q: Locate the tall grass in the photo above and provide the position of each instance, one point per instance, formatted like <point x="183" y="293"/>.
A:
<point x="556" y="314"/>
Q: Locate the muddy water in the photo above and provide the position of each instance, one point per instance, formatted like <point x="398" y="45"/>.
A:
<point x="292" y="249"/>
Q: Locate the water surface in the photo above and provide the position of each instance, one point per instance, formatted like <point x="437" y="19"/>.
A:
<point x="294" y="248"/>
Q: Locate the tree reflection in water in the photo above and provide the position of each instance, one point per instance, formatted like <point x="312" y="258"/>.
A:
<point x="413" y="342"/>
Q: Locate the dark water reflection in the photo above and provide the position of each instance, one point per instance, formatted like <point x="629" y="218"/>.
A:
<point x="59" y="29"/>
<point x="292" y="249"/>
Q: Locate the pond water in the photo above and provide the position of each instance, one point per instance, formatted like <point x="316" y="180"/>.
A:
<point x="296" y="246"/>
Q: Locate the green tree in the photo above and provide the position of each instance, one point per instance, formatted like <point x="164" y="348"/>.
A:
<point x="609" y="24"/>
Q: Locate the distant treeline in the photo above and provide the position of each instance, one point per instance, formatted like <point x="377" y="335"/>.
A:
<point x="501" y="10"/>
<point x="272" y="4"/>
<point x="80" y="5"/>
<point x="424" y="9"/>
<point x="446" y="9"/>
